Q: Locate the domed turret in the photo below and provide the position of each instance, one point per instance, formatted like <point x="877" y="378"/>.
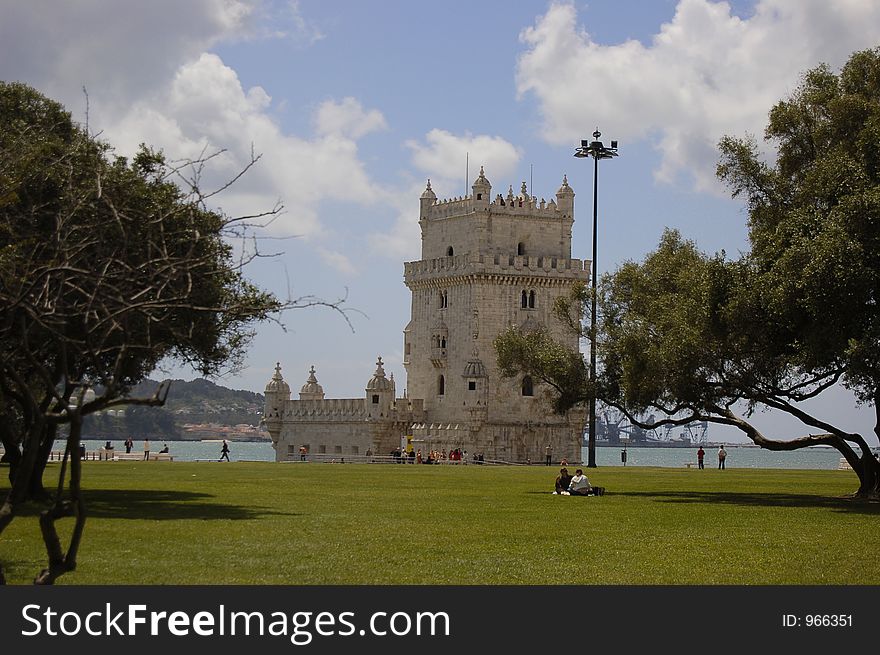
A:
<point x="379" y="393"/>
<point x="482" y="190"/>
<point x="277" y="395"/>
<point x="311" y="390"/>
<point x="565" y="197"/>
<point x="277" y="385"/>
<point x="379" y="382"/>
<point x="427" y="199"/>
<point x="476" y="380"/>
<point x="474" y="367"/>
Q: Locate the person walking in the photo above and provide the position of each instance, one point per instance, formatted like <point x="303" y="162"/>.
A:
<point x="700" y="455"/>
<point x="146" y="449"/>
<point x="129" y="444"/>
<point x="224" y="452"/>
<point x="722" y="456"/>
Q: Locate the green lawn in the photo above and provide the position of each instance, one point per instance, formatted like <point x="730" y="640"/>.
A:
<point x="263" y="523"/>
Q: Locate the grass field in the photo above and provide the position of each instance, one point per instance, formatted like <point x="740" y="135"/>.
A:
<point x="264" y="523"/>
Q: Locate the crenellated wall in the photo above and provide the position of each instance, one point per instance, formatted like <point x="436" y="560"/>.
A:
<point x="498" y="264"/>
<point x="515" y="206"/>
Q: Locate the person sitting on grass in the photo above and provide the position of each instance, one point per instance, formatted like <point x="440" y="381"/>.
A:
<point x="562" y="481"/>
<point x="579" y="485"/>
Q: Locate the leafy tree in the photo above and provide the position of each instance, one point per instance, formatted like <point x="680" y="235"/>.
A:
<point x="692" y="337"/>
<point x="107" y="266"/>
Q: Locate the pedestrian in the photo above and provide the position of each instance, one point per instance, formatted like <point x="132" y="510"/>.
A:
<point x="623" y="455"/>
<point x="700" y="455"/>
<point x="224" y="452"/>
<point x="129" y="444"/>
<point x="146" y="449"/>
<point x="722" y="455"/>
<point x="548" y="455"/>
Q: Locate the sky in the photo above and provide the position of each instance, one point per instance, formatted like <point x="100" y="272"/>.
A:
<point x="353" y="105"/>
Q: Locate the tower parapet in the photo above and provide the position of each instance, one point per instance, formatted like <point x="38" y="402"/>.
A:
<point x="515" y="224"/>
<point x="474" y="263"/>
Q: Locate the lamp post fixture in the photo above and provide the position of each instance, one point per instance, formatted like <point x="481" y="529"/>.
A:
<point x="597" y="150"/>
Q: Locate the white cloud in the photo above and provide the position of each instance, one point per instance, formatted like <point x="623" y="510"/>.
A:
<point x="403" y="240"/>
<point x="205" y="108"/>
<point x="706" y="73"/>
<point x="284" y="21"/>
<point x="132" y="48"/>
<point x="347" y="118"/>
<point x="443" y="156"/>
<point x="337" y="261"/>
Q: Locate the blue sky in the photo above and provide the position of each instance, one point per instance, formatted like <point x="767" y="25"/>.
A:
<point x="354" y="104"/>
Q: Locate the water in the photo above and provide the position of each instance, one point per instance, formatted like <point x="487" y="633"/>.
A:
<point x="191" y="451"/>
<point x="737" y="456"/>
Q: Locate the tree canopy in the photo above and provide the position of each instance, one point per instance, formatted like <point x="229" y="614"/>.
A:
<point x="688" y="336"/>
<point x="107" y="266"/>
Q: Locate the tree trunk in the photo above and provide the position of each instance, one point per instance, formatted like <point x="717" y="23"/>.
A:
<point x="60" y="562"/>
<point x="36" y="490"/>
<point x="869" y="478"/>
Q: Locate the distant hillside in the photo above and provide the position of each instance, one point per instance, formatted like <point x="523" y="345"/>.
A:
<point x="198" y="401"/>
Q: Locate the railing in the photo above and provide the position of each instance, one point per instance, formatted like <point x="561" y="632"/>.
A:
<point x="330" y="458"/>
<point x="111" y="455"/>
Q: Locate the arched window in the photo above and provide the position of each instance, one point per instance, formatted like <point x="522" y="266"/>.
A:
<point x="532" y="299"/>
<point x="521" y="249"/>
<point x="442" y="342"/>
<point x="524" y="300"/>
<point x="444" y="300"/>
<point x="441" y="386"/>
<point x="450" y="251"/>
<point x="527" y="387"/>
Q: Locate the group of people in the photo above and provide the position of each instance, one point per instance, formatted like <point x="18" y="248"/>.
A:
<point x="400" y="456"/>
<point x="722" y="457"/>
<point x="455" y="456"/>
<point x="575" y="485"/>
<point x="129" y="444"/>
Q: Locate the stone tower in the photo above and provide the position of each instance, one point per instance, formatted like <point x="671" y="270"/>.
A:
<point x="488" y="264"/>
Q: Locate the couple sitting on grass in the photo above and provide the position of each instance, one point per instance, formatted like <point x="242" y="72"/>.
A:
<point x="578" y="485"/>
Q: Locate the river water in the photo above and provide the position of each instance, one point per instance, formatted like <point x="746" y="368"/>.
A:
<point x="737" y="456"/>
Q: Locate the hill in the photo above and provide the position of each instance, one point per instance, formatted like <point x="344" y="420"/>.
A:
<point x="194" y="410"/>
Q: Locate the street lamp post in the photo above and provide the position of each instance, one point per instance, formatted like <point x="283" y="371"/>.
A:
<point x="597" y="150"/>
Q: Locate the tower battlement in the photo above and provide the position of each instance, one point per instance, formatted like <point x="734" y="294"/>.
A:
<point x="475" y="263"/>
<point x="514" y="205"/>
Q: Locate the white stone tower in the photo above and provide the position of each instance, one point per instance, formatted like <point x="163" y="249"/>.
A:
<point x="487" y="264"/>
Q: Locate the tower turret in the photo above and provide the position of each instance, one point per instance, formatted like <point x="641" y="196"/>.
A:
<point x="427" y="199"/>
<point x="482" y="190"/>
<point x="476" y="381"/>
<point x="565" y="198"/>
<point x="311" y="390"/>
<point x="277" y="395"/>
<point x="379" y="393"/>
